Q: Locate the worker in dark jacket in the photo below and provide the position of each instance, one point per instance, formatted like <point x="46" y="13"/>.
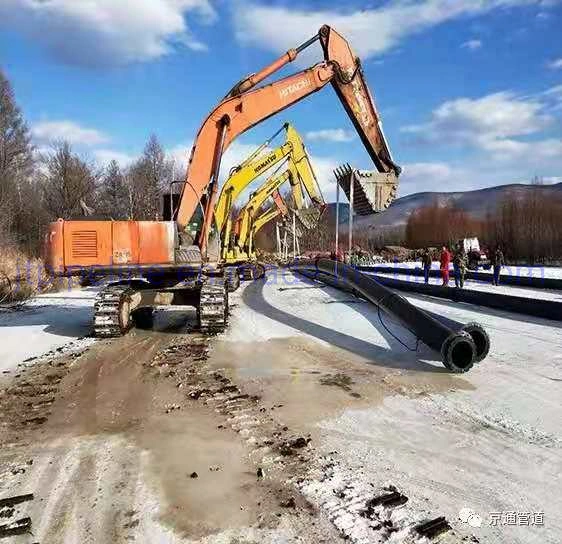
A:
<point x="445" y="261"/>
<point x="497" y="262"/>
<point x="426" y="263"/>
<point x="459" y="266"/>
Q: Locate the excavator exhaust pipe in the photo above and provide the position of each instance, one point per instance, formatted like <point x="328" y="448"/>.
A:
<point x="460" y="346"/>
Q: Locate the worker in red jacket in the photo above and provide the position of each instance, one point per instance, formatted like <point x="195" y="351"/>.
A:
<point x="445" y="262"/>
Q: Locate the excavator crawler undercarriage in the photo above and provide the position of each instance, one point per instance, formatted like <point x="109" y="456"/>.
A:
<point x="119" y="306"/>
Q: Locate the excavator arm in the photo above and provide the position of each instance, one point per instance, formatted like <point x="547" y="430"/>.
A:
<point x="300" y="174"/>
<point x="278" y="208"/>
<point x="248" y="212"/>
<point x="310" y="184"/>
<point x="253" y="167"/>
<point x="245" y="106"/>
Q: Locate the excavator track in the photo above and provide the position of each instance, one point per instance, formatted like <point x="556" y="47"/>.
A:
<point x="212" y="312"/>
<point x="112" y="312"/>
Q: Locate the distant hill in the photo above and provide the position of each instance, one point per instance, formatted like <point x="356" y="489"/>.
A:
<point x="477" y="203"/>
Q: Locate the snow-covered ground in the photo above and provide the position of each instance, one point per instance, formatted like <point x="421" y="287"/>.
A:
<point x="489" y="440"/>
<point x="47" y="322"/>
<point x="509" y="270"/>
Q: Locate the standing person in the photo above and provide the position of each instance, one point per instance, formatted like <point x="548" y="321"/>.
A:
<point x="426" y="263"/>
<point x="497" y="262"/>
<point x="459" y="266"/>
<point x="445" y="261"/>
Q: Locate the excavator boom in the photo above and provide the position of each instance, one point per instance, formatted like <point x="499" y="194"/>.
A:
<point x="278" y="208"/>
<point x="252" y="168"/>
<point x="245" y="106"/>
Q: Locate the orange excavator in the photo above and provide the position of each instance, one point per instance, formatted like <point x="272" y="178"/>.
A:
<point x="174" y="270"/>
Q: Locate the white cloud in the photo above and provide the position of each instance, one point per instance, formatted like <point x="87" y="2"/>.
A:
<point x="105" y="156"/>
<point x="555" y="64"/>
<point x="331" y="135"/>
<point x="45" y="132"/>
<point x="472" y="44"/>
<point x="495" y="124"/>
<point x="436" y="171"/>
<point x="370" y="31"/>
<point x="418" y="177"/>
<point x="101" y="32"/>
<point x="324" y="170"/>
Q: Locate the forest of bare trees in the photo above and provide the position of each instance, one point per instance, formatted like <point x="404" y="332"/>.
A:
<point x="38" y="187"/>
<point x="527" y="226"/>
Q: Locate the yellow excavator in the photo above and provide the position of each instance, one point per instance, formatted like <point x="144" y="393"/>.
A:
<point x="303" y="182"/>
<point x="299" y="174"/>
<point x="259" y="162"/>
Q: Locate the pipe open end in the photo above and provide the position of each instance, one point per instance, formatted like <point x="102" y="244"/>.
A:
<point x="459" y="352"/>
<point x="480" y="338"/>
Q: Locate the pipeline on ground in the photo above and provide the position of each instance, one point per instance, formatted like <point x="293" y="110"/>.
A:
<point x="507" y="279"/>
<point x="546" y="309"/>
<point x="458" y="348"/>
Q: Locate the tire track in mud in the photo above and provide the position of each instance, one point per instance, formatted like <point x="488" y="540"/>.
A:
<point x="102" y="464"/>
<point x="90" y="461"/>
<point x="66" y="473"/>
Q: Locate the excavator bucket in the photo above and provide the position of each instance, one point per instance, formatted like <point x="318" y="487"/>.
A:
<point x="309" y="217"/>
<point x="373" y="192"/>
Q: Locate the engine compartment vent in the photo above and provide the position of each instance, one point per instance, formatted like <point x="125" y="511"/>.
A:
<point x="85" y="244"/>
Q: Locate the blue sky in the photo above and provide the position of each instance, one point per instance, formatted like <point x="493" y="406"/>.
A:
<point x="470" y="91"/>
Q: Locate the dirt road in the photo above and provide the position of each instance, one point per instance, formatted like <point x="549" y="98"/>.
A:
<point x="114" y="449"/>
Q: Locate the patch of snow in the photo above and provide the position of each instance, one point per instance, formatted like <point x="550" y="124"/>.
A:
<point x="490" y="445"/>
<point x="43" y="324"/>
<point x="509" y="270"/>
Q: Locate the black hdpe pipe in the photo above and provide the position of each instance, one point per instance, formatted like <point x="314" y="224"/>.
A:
<point x="475" y="330"/>
<point x="457" y="348"/>
<point x="546" y="309"/>
<point x="505" y="279"/>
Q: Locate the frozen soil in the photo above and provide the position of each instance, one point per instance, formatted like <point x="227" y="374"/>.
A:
<point x="307" y="421"/>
